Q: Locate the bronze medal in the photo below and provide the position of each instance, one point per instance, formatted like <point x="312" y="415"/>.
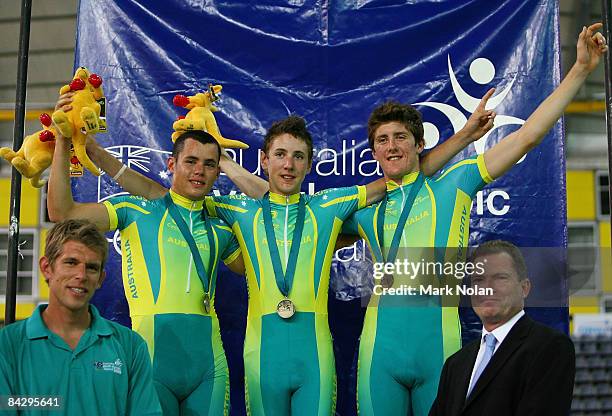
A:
<point x="387" y="281"/>
<point x="284" y="279"/>
<point x="285" y="309"/>
<point x="206" y="302"/>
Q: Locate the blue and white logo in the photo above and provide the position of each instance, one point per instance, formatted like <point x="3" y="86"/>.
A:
<point x="482" y="71"/>
<point x="115" y="367"/>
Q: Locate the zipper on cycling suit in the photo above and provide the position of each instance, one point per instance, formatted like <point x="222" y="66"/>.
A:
<point x="400" y="211"/>
<point x="188" y="288"/>
<point x="285" y="233"/>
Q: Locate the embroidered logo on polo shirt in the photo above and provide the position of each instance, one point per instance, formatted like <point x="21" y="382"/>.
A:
<point x="114" y="367"/>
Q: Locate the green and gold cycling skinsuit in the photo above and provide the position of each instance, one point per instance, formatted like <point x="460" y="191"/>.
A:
<point x="405" y="339"/>
<point x="165" y="296"/>
<point x="289" y="363"/>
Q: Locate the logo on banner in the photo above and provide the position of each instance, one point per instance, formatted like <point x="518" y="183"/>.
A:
<point x="482" y="71"/>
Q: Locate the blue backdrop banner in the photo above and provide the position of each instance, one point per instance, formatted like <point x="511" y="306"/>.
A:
<point x="331" y="62"/>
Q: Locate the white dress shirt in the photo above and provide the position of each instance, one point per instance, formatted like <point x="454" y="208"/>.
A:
<point x="500" y="333"/>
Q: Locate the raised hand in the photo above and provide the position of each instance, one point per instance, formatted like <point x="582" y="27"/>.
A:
<point x="481" y="120"/>
<point x="591" y="46"/>
<point x="64" y="102"/>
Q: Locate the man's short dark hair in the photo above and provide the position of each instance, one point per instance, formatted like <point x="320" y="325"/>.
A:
<point x="80" y="231"/>
<point x="501" y="246"/>
<point x="293" y="125"/>
<point x="394" y="111"/>
<point x="197" y="135"/>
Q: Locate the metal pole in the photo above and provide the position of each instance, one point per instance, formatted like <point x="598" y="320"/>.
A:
<point x="20" y="98"/>
<point x="606" y="11"/>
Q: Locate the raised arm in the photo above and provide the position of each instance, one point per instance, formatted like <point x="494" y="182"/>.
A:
<point x="479" y="123"/>
<point x="130" y="180"/>
<point x="60" y="203"/>
<point x="251" y="185"/>
<point x="501" y="157"/>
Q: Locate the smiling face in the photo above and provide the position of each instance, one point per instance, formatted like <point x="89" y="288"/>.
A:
<point x="194" y="169"/>
<point x="396" y="151"/>
<point x="286" y="163"/>
<point x="73" y="277"/>
<point x="509" y="291"/>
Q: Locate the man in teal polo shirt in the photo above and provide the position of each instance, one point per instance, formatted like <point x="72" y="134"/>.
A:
<point x="66" y="357"/>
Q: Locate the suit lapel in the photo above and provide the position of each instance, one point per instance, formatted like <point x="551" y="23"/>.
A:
<point x="467" y="366"/>
<point x="513" y="340"/>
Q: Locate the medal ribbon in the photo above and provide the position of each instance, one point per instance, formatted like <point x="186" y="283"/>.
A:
<point x="380" y="221"/>
<point x="195" y="253"/>
<point x="284" y="281"/>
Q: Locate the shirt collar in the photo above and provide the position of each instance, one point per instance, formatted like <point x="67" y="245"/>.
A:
<point x="186" y="202"/>
<point x="99" y="325"/>
<point x="283" y="199"/>
<point x="406" y="180"/>
<point x="501" y="332"/>
<point x="36" y="328"/>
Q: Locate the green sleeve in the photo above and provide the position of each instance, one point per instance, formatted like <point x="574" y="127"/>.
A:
<point x="342" y="201"/>
<point x="123" y="209"/>
<point x="232" y="250"/>
<point x="227" y="207"/>
<point x="470" y="175"/>
<point x="228" y="248"/>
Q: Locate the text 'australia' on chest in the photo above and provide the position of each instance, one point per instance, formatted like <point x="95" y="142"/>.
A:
<point x="182" y="243"/>
<point x="413" y="219"/>
<point x="421" y="209"/>
<point x="306" y="239"/>
<point x="173" y="236"/>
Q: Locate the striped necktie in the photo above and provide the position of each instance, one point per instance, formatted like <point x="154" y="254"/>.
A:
<point x="490" y="342"/>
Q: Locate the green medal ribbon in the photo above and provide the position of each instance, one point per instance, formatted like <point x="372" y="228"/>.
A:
<point x="206" y="279"/>
<point x="380" y="221"/>
<point x="284" y="281"/>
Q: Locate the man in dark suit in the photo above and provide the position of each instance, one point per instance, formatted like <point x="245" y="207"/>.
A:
<point x="518" y="366"/>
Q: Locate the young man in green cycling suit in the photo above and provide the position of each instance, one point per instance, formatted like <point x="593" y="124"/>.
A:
<point x="405" y="339"/>
<point x="169" y="287"/>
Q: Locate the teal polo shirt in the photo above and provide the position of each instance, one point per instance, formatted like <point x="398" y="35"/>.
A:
<point x="109" y="372"/>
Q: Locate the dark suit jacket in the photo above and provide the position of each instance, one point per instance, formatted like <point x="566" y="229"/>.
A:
<point x="531" y="373"/>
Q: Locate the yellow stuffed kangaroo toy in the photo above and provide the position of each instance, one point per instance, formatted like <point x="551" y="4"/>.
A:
<point x="84" y="118"/>
<point x="200" y="117"/>
<point x="35" y="154"/>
